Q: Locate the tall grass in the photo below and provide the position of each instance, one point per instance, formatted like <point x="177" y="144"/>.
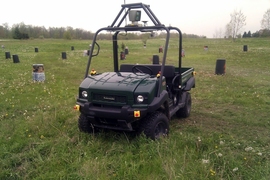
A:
<point x="226" y="136"/>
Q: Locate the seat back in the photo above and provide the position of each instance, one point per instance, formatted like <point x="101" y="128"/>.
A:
<point x="169" y="70"/>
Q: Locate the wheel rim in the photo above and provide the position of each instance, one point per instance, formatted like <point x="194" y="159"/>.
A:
<point x="160" y="130"/>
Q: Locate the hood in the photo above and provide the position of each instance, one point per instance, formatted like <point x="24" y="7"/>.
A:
<point x="115" y="81"/>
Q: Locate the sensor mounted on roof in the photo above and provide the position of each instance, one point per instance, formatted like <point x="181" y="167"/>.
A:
<point x="134" y="16"/>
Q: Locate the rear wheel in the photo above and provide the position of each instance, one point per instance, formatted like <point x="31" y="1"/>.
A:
<point x="155" y="125"/>
<point x="185" y="111"/>
<point x="84" y="124"/>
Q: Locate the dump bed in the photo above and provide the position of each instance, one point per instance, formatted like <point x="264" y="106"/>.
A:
<point x="169" y="71"/>
<point x="186" y="72"/>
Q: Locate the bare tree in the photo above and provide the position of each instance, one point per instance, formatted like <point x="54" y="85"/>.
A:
<point x="237" y="22"/>
<point x="265" y="23"/>
<point x="218" y="33"/>
<point x="228" y="30"/>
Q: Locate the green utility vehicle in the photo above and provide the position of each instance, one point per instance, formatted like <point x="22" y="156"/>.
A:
<point x="135" y="97"/>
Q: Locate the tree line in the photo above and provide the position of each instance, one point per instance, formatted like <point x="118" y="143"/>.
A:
<point x="232" y="30"/>
<point x="238" y="21"/>
<point x="23" y="31"/>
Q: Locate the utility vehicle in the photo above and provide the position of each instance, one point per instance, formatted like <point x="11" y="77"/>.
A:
<point x="135" y="97"/>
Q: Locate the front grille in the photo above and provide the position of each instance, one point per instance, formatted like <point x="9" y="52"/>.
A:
<point x="109" y="98"/>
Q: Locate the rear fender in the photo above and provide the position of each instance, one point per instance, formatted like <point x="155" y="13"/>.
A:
<point x="190" y="84"/>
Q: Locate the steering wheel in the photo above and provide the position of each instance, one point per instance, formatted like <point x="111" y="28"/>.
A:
<point x="137" y="68"/>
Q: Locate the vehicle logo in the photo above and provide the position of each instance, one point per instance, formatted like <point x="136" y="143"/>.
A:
<point x="108" y="98"/>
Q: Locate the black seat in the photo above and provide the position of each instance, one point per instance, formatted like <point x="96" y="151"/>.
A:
<point x="169" y="70"/>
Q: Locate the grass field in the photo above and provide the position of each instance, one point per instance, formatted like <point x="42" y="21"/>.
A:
<point x="226" y="137"/>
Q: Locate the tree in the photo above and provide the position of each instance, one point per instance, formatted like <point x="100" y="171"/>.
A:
<point x="249" y="34"/>
<point x="218" y="33"/>
<point x="237" y="22"/>
<point x="67" y="35"/>
<point x="244" y="35"/>
<point x="17" y="33"/>
<point x="265" y="23"/>
<point x="265" y="33"/>
<point x="256" y="34"/>
<point x="7" y="30"/>
<point x="228" y="31"/>
<point x="2" y="32"/>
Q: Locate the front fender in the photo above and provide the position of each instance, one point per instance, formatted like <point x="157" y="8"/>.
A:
<point x="158" y="101"/>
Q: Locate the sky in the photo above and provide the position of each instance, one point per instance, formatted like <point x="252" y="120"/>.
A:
<point x="200" y="17"/>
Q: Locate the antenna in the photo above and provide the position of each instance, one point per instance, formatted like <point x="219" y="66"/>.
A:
<point x="145" y="23"/>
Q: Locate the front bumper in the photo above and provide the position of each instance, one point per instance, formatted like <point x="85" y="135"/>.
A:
<point x="125" y="112"/>
<point x="118" y="118"/>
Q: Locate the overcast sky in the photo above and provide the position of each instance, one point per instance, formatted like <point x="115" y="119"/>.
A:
<point x="200" y="17"/>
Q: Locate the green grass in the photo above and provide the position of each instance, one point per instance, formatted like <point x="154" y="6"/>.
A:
<point x="226" y="136"/>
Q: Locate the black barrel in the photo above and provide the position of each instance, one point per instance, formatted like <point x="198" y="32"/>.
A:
<point x="64" y="55"/>
<point x="245" y="48"/>
<point x="155" y="59"/>
<point x="126" y="50"/>
<point x="15" y="58"/>
<point x="72" y="48"/>
<point x="220" y="67"/>
<point x="7" y="55"/>
<point x="36" y="49"/>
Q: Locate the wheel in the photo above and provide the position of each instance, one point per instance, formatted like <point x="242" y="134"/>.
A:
<point x="155" y="125"/>
<point x="137" y="68"/>
<point x="84" y="124"/>
<point x="185" y="111"/>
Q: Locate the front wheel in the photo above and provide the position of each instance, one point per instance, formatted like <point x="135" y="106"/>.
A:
<point x="185" y="111"/>
<point x="155" y="125"/>
<point x="84" y="124"/>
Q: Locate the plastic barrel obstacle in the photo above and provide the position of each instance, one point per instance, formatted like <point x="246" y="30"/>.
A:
<point x="38" y="73"/>
<point x="160" y="49"/>
<point x="36" y="49"/>
<point x="7" y="55"/>
<point x="155" y="59"/>
<point x="220" y="67"/>
<point x="15" y="58"/>
<point x="122" y="55"/>
<point x="72" y="48"/>
<point x="64" y="55"/>
<point x="126" y="50"/>
<point x="245" y="48"/>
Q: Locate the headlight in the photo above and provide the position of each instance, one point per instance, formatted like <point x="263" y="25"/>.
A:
<point x="140" y="98"/>
<point x="84" y="94"/>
